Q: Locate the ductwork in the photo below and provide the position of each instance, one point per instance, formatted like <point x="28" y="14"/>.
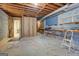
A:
<point x="72" y="6"/>
<point x="60" y="9"/>
<point x="67" y="7"/>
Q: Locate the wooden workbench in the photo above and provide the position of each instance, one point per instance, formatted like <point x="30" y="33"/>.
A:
<point x="67" y="30"/>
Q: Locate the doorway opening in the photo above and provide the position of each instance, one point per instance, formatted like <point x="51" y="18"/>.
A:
<point x="17" y="28"/>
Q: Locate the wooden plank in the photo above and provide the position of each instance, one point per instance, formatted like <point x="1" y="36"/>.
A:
<point x="11" y="9"/>
<point x="29" y="9"/>
<point x="58" y="4"/>
<point x="71" y="23"/>
<point x="29" y="26"/>
<point x="26" y="8"/>
<point x="38" y="8"/>
<point x="62" y="30"/>
<point x="44" y="13"/>
<point x="17" y="12"/>
<point x="11" y="27"/>
<point x="34" y="23"/>
<point x="52" y="6"/>
<point x="26" y="26"/>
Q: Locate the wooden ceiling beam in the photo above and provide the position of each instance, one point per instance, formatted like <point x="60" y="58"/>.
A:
<point x="30" y="13"/>
<point x="40" y="5"/>
<point x="27" y="8"/>
<point x="17" y="12"/>
<point x="53" y="6"/>
<point x="38" y="10"/>
<point x="58" y="4"/>
<point x="43" y="13"/>
<point x="12" y="10"/>
<point x="19" y="9"/>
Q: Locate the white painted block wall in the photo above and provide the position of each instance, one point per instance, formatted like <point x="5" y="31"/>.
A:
<point x="3" y="24"/>
<point x="3" y="30"/>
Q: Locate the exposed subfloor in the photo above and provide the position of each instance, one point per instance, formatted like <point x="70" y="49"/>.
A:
<point x="40" y="45"/>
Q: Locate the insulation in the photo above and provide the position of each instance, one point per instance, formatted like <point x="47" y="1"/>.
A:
<point x="28" y="26"/>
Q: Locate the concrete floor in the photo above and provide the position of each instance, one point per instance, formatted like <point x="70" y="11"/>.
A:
<point x="40" y="45"/>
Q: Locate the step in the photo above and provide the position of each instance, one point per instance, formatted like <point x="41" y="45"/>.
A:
<point x="67" y="40"/>
<point x="68" y="45"/>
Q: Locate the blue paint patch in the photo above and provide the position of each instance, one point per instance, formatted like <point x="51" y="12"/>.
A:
<point x="51" y="20"/>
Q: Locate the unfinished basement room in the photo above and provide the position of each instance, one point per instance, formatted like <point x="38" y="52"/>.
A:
<point x="39" y="29"/>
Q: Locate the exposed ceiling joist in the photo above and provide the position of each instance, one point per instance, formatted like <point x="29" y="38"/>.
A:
<point x="58" y="4"/>
<point x="29" y="9"/>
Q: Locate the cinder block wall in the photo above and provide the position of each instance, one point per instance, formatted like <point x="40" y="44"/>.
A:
<point x="3" y="30"/>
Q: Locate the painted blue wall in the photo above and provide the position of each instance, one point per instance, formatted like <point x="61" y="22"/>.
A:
<point x="51" y="20"/>
<point x="75" y="14"/>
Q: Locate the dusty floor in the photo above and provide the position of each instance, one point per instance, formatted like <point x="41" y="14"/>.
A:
<point x="40" y="45"/>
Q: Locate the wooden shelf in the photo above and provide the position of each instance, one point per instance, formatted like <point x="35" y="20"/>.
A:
<point x="62" y="30"/>
<point x="73" y="30"/>
<point x="70" y="23"/>
<point x="69" y="30"/>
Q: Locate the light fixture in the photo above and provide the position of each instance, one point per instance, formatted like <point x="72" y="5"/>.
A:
<point x="35" y="4"/>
